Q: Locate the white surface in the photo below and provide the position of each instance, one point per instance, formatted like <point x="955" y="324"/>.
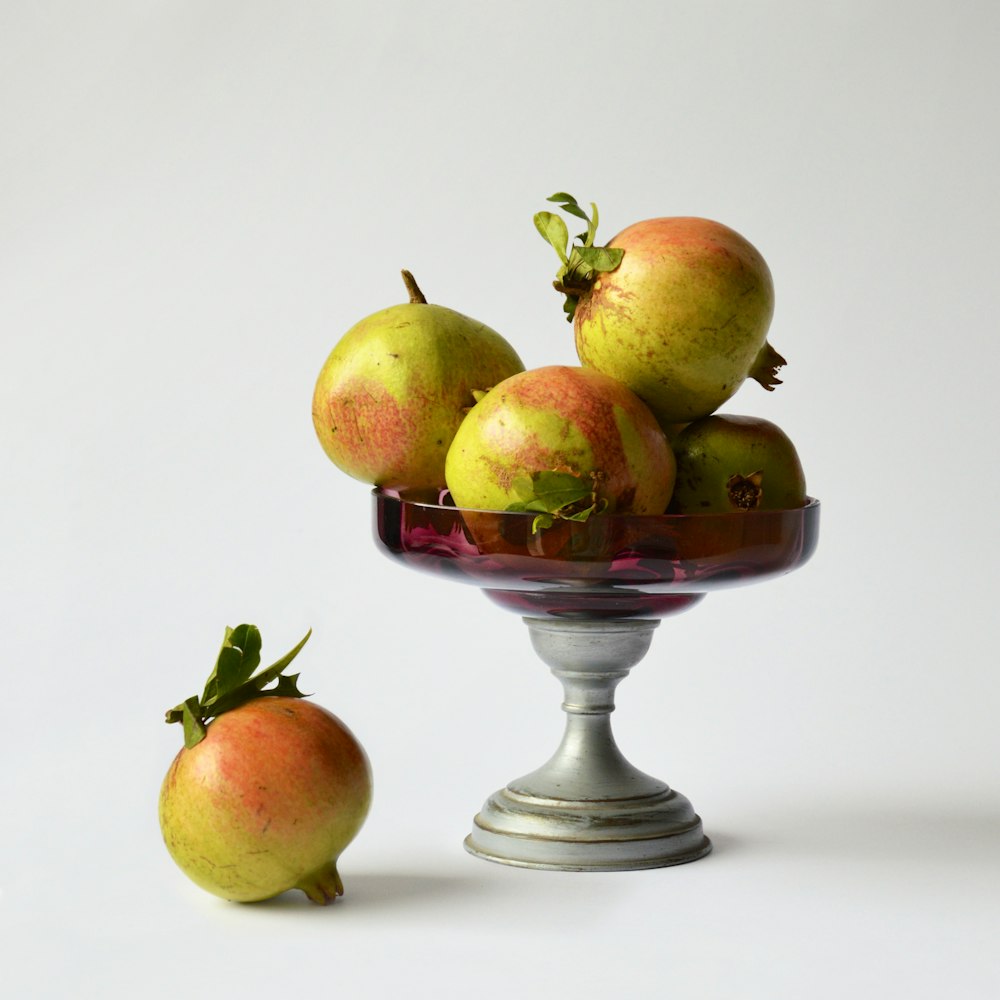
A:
<point x="197" y="199"/>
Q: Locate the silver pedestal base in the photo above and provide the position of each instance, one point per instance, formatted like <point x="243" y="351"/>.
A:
<point x="532" y="832"/>
<point x="588" y="808"/>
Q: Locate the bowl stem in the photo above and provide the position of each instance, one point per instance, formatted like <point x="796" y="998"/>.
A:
<point x="587" y="807"/>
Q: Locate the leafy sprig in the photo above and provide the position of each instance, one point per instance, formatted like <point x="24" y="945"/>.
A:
<point x="562" y="495"/>
<point x="233" y="682"/>
<point x="581" y="263"/>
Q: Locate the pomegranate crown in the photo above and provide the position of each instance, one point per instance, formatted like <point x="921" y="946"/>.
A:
<point x="582" y="262"/>
<point x="233" y="682"/>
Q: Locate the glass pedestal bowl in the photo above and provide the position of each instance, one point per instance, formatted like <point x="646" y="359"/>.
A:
<point x="591" y="594"/>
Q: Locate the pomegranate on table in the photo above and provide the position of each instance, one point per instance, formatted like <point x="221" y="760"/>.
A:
<point x="269" y="788"/>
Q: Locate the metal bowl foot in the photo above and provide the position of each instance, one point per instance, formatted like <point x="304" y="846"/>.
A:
<point x="628" y="834"/>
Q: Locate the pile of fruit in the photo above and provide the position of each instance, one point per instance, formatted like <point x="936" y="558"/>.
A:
<point x="670" y="318"/>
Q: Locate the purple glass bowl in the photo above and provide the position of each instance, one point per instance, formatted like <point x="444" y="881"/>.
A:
<point x="610" y="566"/>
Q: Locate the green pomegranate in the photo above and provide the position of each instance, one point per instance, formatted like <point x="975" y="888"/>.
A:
<point x="561" y="440"/>
<point x="266" y="795"/>
<point x="728" y="463"/>
<point x="394" y="389"/>
<point x="676" y="308"/>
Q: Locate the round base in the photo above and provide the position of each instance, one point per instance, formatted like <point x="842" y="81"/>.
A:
<point x="528" y="831"/>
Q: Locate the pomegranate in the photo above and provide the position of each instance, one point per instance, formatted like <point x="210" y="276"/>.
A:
<point x="676" y="308"/>
<point x="265" y="796"/>
<point x="564" y="441"/>
<point x="394" y="389"/>
<point x="728" y="463"/>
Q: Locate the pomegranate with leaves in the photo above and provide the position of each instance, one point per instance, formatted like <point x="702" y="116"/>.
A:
<point x="676" y="308"/>
<point x="269" y="788"/>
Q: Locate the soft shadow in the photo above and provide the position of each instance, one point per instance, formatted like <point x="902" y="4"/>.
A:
<point x="396" y="890"/>
<point x="725" y="844"/>
<point x="908" y="832"/>
<point x="386" y="890"/>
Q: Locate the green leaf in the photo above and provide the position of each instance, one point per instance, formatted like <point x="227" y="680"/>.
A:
<point x="238" y="658"/>
<point x="275" y="668"/>
<point x="591" y="220"/>
<point x="247" y="638"/>
<point x="579" y="274"/>
<point x="581" y="263"/>
<point x="542" y="522"/>
<point x="591" y="225"/>
<point x="211" y="688"/>
<point x="253" y="688"/>
<point x="194" y="725"/>
<point x="288" y="686"/>
<point x="575" y="209"/>
<point x="523" y="487"/>
<point x="578" y="271"/>
<point x="175" y="714"/>
<point x="226" y="675"/>
<point x="559" y="489"/>
<point x="551" y="495"/>
<point x="600" y="258"/>
<point x="553" y="231"/>
<point x="232" y="683"/>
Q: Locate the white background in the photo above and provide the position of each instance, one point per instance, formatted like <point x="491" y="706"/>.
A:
<point x="198" y="198"/>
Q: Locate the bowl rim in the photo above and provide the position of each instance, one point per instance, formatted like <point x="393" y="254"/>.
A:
<point x="812" y="503"/>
